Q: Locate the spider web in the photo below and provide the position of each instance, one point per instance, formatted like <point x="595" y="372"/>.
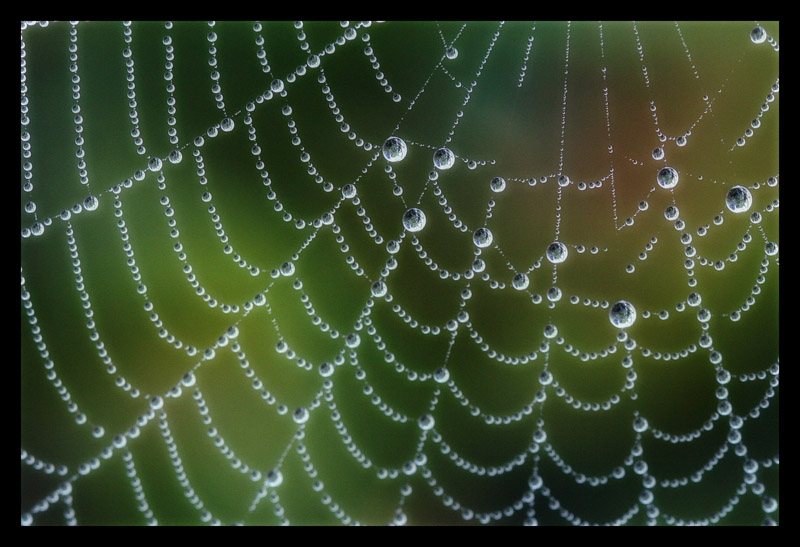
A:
<point x="228" y="319"/>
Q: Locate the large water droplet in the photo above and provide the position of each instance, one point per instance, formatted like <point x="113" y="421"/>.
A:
<point x="739" y="199"/>
<point x="394" y="149"/>
<point x="482" y="237"/>
<point x="444" y="158"/>
<point x="557" y="252"/>
<point x="758" y="35"/>
<point x="622" y="314"/>
<point x="667" y="177"/>
<point x="414" y="220"/>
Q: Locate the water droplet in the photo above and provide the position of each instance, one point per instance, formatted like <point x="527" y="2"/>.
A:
<point x="758" y="35"/>
<point x="550" y="331"/>
<point x="557" y="252"/>
<point x="667" y="177"/>
<point x="482" y="237"/>
<point x="287" y="268"/>
<point x="622" y="314"/>
<point x="274" y="478"/>
<point x="352" y="340"/>
<point x="154" y="164"/>
<point x="769" y="505"/>
<point x="189" y="379"/>
<point x="156" y="402"/>
<point x="414" y="220"/>
<point x="426" y="422"/>
<point x="554" y="294"/>
<point x="739" y="199"/>
<point x="640" y="425"/>
<point x="771" y="248"/>
<point x="441" y="375"/>
<point x="326" y="369"/>
<point x="671" y="213"/>
<point x="443" y="158"/>
<point x="498" y="184"/>
<point x="227" y="124"/>
<point x="520" y="281"/>
<point x="451" y="53"/>
<point x="394" y="149"/>
<point x="175" y="156"/>
<point x="658" y="153"/>
<point x="379" y="289"/>
<point x="277" y="85"/>
<point x="300" y="415"/>
<point x="348" y="191"/>
<point x="90" y="203"/>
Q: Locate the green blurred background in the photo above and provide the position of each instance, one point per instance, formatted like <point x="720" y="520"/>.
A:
<point x="512" y="131"/>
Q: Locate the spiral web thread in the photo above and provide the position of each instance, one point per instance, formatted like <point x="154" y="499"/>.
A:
<point x="488" y="266"/>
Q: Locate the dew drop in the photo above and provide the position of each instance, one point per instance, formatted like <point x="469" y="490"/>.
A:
<point x="426" y="422"/>
<point x="300" y="415"/>
<point x="352" y="340"/>
<point x="189" y="379"/>
<point x="771" y="248"/>
<point x="274" y="478"/>
<point x="394" y="149"/>
<point x="441" y="375"/>
<point x="769" y="505"/>
<point x="154" y="164"/>
<point x="671" y="213"/>
<point x="414" y="220"/>
<point x="482" y="237"/>
<point x="622" y="314"/>
<point x="348" y="191"/>
<point x="557" y="252"/>
<point x="444" y="158"/>
<point x="640" y="425"/>
<point x="758" y="35"/>
<point x="667" y="177"/>
<point x="227" y="125"/>
<point x="379" y="289"/>
<point x="277" y="85"/>
<point x="326" y="370"/>
<point x="739" y="199"/>
<point x="90" y="203"/>
<point x="520" y="281"/>
<point x="498" y="184"/>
